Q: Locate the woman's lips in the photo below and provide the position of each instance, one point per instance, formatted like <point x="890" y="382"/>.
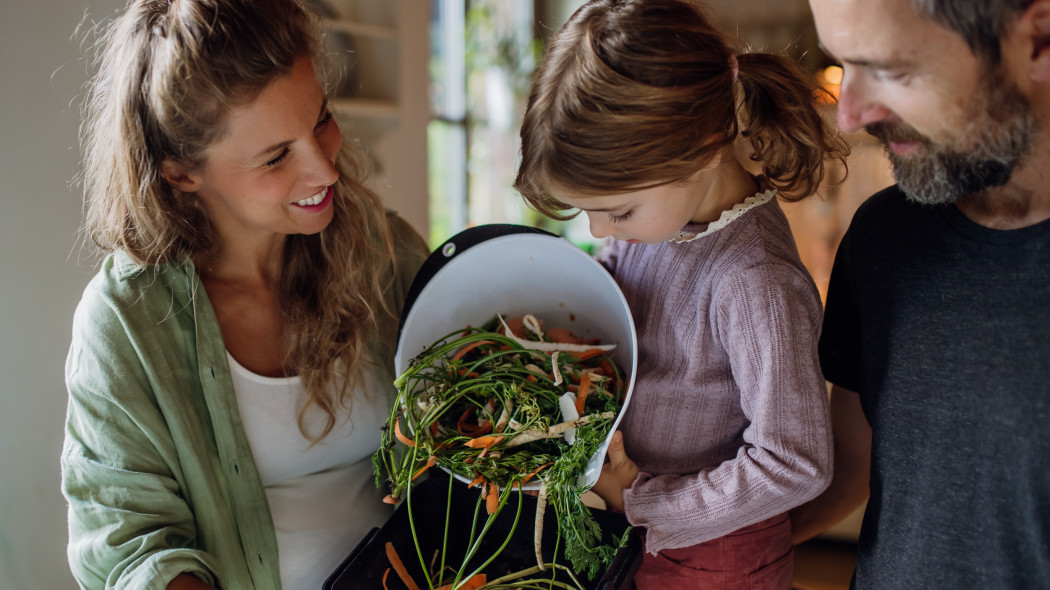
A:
<point x="318" y="201"/>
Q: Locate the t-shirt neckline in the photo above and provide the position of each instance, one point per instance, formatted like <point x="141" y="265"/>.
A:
<point x="970" y="228"/>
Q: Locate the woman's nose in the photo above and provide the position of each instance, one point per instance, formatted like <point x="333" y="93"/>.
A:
<point x="326" y="172"/>
<point x="320" y="168"/>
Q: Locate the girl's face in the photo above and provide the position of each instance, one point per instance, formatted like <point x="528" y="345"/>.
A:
<point x="271" y="175"/>
<point x="651" y="215"/>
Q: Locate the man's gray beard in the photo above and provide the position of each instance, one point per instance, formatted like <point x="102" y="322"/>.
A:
<point x="1001" y="135"/>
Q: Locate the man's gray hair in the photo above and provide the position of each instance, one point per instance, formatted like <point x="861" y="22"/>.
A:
<point x="981" y="23"/>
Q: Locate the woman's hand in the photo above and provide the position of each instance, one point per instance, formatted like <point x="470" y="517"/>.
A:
<point x="617" y="475"/>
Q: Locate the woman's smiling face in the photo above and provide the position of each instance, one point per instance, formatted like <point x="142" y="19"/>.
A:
<point x="271" y="174"/>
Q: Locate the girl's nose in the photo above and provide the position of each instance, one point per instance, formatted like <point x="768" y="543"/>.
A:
<point x="599" y="225"/>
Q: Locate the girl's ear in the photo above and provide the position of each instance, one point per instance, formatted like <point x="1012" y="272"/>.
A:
<point x="180" y="176"/>
<point x="1035" y="23"/>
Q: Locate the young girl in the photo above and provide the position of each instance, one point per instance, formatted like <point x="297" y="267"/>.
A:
<point x="231" y="360"/>
<point x="633" y="119"/>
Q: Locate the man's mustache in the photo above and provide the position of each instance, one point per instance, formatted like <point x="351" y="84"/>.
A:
<point x="896" y="133"/>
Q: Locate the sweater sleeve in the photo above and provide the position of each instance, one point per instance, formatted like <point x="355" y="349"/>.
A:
<point x="129" y="526"/>
<point x="768" y="319"/>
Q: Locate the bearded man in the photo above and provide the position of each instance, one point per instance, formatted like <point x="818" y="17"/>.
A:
<point x="937" y="327"/>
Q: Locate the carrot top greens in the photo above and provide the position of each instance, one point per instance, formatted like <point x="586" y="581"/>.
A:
<point x="484" y="404"/>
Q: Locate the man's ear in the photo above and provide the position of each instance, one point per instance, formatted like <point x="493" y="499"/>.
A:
<point x="1035" y="24"/>
<point x="180" y="176"/>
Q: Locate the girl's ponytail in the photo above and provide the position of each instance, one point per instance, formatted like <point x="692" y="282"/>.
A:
<point x="780" y="116"/>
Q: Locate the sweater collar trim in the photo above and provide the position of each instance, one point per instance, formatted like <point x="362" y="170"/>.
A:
<point x="695" y="231"/>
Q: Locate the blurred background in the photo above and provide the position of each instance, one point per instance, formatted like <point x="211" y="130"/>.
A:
<point x="432" y="89"/>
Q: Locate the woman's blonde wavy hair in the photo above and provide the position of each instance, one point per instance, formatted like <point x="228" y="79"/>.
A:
<point x="169" y="71"/>
<point x="633" y="94"/>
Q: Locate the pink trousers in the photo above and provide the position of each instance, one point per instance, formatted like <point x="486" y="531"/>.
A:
<point x="756" y="557"/>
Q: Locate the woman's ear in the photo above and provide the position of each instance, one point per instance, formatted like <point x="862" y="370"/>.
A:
<point x="180" y="176"/>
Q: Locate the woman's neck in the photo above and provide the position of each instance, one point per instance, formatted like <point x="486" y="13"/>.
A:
<point x="245" y="263"/>
<point x="242" y="284"/>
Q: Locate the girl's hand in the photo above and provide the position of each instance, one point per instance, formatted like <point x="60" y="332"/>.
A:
<point x="617" y="475"/>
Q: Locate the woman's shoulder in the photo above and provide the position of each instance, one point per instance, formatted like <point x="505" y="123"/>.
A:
<point x="407" y="240"/>
<point x="119" y="273"/>
<point x="127" y="311"/>
<point x="410" y="248"/>
<point x="123" y="287"/>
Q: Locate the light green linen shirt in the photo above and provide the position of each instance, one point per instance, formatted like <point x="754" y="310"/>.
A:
<point x="156" y="469"/>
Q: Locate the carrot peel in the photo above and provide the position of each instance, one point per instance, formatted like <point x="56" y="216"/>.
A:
<point x="534" y="472"/>
<point x="483" y="442"/>
<point x="469" y="429"/>
<point x="492" y="498"/>
<point x="587" y="354"/>
<point x="399" y="567"/>
<point x="581" y="394"/>
<point x="430" y="463"/>
<point x="469" y="347"/>
<point x="400" y="436"/>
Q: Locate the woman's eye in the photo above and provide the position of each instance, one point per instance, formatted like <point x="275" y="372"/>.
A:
<point x="324" y="120"/>
<point x="621" y="217"/>
<point x="278" y="159"/>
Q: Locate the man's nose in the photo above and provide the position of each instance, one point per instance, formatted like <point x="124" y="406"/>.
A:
<point x="858" y="105"/>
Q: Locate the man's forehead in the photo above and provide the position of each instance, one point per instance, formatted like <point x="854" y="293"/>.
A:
<point x="878" y="33"/>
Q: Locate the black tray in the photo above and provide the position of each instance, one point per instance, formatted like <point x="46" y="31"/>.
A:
<point x="365" y="565"/>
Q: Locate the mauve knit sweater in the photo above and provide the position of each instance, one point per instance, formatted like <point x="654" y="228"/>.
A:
<point x="728" y="421"/>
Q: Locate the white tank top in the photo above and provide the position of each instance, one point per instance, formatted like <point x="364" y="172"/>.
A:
<point x="323" y="498"/>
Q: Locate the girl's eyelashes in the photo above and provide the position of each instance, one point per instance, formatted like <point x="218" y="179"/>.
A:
<point x="622" y="217"/>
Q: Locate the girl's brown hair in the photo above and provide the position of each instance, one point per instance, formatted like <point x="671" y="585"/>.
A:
<point x="633" y="94"/>
<point x="169" y="71"/>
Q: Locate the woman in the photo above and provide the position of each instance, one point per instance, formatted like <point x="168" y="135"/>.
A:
<point x="230" y="362"/>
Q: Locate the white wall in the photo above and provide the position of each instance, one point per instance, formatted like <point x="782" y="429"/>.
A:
<point x="41" y="71"/>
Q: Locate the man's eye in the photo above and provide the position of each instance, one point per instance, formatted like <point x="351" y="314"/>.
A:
<point x="891" y="75"/>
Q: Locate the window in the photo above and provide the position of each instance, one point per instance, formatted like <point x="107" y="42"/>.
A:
<point x="483" y="53"/>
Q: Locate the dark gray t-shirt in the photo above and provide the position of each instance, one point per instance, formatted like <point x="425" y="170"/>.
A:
<point x="943" y="328"/>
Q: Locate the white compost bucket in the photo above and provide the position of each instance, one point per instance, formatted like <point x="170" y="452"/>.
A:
<point x="514" y="270"/>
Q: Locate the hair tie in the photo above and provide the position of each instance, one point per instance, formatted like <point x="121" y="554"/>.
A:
<point x="734" y="66"/>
